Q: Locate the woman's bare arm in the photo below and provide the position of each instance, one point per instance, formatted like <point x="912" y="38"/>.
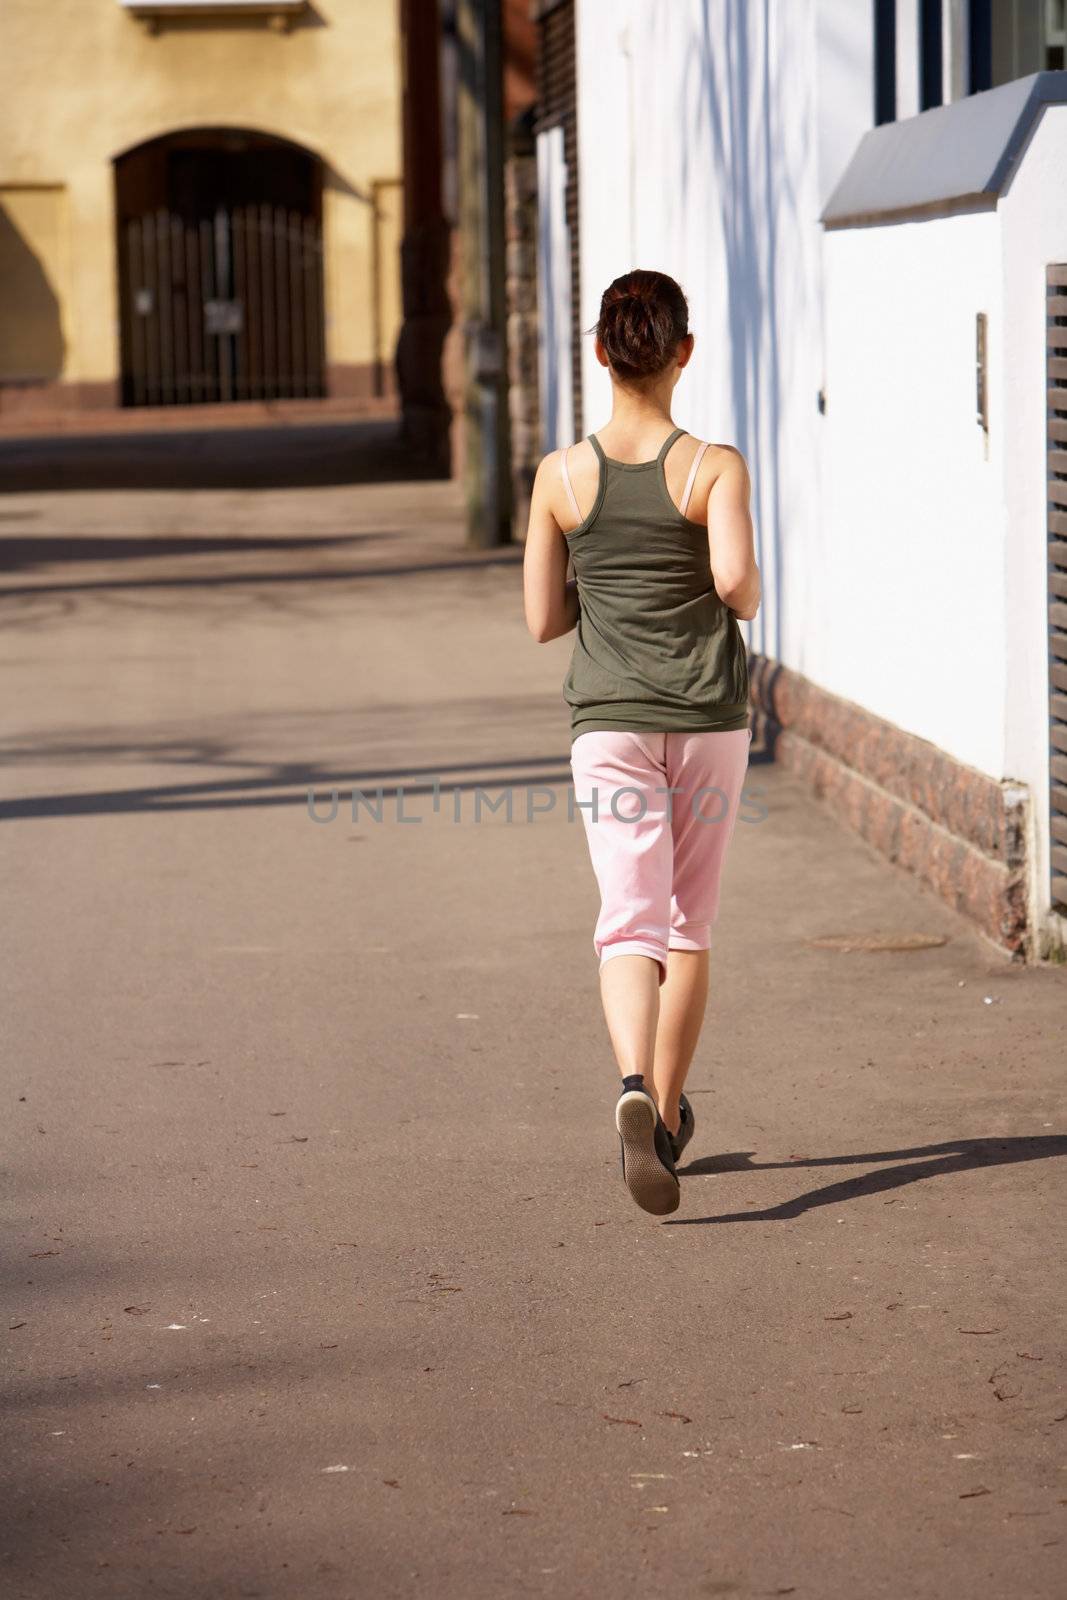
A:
<point x="731" y="540"/>
<point x="551" y="603"/>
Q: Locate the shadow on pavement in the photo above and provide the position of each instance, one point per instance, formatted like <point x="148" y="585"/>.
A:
<point x="291" y="785"/>
<point x="509" y="556"/>
<point x="271" y="457"/>
<point x="955" y="1155"/>
<point x="31" y="553"/>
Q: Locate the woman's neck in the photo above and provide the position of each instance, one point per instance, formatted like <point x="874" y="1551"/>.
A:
<point x="638" y="425"/>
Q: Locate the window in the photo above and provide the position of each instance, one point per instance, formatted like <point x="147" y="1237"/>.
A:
<point x="1025" y="36"/>
<point x="961" y="47"/>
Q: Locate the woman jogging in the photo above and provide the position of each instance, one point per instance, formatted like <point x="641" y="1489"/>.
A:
<point x="658" y="527"/>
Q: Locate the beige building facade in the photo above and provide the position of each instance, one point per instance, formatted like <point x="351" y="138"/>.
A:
<point x="200" y="200"/>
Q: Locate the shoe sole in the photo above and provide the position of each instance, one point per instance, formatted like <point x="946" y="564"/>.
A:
<point x="650" y="1184"/>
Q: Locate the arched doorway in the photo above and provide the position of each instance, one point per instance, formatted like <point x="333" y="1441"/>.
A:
<point x="220" y="269"/>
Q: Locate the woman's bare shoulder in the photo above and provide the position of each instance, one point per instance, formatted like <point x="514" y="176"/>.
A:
<point x="581" y="451"/>
<point x="725" y="464"/>
<point x="550" y="483"/>
<point x="722" y="464"/>
<point x="726" y="455"/>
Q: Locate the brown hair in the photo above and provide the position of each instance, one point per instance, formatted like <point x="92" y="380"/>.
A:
<point x="644" y="316"/>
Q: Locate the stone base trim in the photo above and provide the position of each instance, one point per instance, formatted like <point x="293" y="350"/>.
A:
<point x="958" y="830"/>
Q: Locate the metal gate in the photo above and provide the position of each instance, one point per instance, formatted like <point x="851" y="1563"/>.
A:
<point x="222" y="307"/>
<point x="1056" y="320"/>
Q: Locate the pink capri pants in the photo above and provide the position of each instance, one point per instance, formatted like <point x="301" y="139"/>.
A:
<point x="665" y="809"/>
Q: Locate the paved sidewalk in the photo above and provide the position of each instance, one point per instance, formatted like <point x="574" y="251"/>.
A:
<point x="322" y="1282"/>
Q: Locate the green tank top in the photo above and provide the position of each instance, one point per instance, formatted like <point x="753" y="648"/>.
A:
<point x="655" y="650"/>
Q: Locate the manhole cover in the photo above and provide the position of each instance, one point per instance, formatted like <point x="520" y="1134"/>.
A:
<point x="846" y="942"/>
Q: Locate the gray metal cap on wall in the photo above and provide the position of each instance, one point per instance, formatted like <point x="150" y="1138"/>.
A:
<point x="954" y="157"/>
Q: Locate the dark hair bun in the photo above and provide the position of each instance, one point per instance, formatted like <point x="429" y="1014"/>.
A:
<point x="644" y="316"/>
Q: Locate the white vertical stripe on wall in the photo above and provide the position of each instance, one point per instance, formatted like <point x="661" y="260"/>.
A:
<point x="554" y="321"/>
<point x="954" y="50"/>
<point x="907" y="58"/>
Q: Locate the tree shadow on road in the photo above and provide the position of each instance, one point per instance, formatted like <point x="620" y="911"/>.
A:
<point x="954" y="1155"/>
<point x="27" y="594"/>
<point x="32" y="552"/>
<point x="301" y="784"/>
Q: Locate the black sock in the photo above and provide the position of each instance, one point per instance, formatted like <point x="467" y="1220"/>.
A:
<point x="636" y="1080"/>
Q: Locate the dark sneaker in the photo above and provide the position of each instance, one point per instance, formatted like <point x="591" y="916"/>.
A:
<point x="680" y="1139"/>
<point x="647" y="1162"/>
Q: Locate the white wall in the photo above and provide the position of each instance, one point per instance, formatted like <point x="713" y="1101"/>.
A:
<point x="844" y="85"/>
<point x="909" y="565"/>
<point x="1033" y="214"/>
<point x="703" y="153"/>
<point x="946" y="541"/>
<point x="903" y="556"/>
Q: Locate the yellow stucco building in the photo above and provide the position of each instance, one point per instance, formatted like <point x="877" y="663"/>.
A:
<point x="200" y="200"/>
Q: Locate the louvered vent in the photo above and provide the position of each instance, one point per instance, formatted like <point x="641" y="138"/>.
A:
<point x="1057" y="578"/>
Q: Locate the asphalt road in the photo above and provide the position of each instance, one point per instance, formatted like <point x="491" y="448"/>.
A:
<point x="321" y="1281"/>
